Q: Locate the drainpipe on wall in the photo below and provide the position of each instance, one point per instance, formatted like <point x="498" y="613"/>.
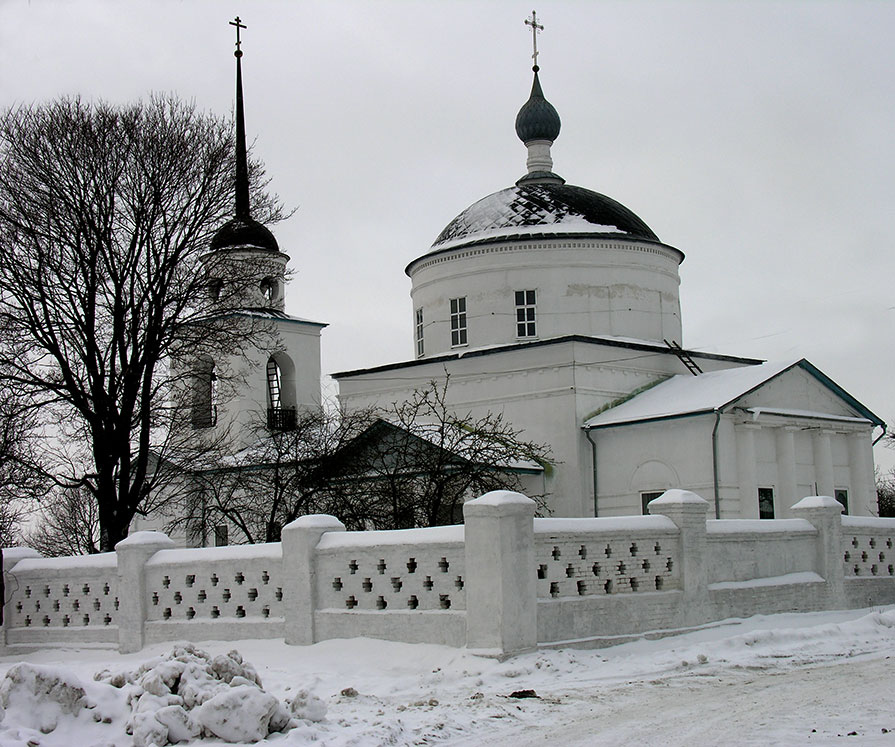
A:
<point x="876" y="440"/>
<point x="715" y="463"/>
<point x="593" y="449"/>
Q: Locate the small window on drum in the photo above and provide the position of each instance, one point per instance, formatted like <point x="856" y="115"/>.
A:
<point x="526" y="302"/>
<point x="420" y="342"/>
<point x="458" y="322"/>
<point x="214" y="289"/>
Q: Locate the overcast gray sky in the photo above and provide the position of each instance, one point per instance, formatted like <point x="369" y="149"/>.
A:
<point x="757" y="137"/>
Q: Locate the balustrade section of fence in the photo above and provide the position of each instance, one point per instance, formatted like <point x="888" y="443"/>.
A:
<point x="501" y="583"/>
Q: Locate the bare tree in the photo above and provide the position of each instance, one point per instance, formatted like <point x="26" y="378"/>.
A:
<point x="105" y="215"/>
<point x="422" y="460"/>
<point x="283" y="475"/>
<point x="414" y="464"/>
<point x="22" y="477"/>
<point x="885" y="493"/>
<point x="67" y="524"/>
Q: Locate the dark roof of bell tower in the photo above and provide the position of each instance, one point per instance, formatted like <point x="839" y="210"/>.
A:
<point x="238" y="232"/>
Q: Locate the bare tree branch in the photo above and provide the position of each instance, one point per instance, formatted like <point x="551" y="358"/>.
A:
<point x="106" y="214"/>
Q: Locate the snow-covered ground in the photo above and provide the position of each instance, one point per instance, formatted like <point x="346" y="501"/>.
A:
<point x="817" y="678"/>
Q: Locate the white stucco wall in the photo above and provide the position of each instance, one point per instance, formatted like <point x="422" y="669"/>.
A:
<point x="546" y="391"/>
<point x="652" y="457"/>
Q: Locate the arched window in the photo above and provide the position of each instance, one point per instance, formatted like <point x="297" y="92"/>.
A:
<point x="280" y="392"/>
<point x="274" y="385"/>
<point x="205" y="394"/>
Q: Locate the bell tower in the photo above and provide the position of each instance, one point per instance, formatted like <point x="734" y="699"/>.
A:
<point x="280" y="374"/>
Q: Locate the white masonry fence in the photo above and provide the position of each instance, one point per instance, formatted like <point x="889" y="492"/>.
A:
<point x="501" y="583"/>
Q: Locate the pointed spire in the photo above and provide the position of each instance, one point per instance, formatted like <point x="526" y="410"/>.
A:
<point x="242" y="165"/>
<point x="242" y="230"/>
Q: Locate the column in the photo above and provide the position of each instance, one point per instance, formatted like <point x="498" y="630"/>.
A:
<point x="746" y="467"/>
<point x="824" y="513"/>
<point x="688" y="511"/>
<point x="300" y="538"/>
<point x="786" y="469"/>
<point x="501" y="598"/>
<point x="11" y="556"/>
<point x="823" y="462"/>
<point x="133" y="552"/>
<point x="862" y="490"/>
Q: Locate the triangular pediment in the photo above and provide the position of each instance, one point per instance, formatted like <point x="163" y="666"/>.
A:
<point x="796" y="391"/>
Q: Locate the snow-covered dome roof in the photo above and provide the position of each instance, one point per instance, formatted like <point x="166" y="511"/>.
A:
<point x="539" y="209"/>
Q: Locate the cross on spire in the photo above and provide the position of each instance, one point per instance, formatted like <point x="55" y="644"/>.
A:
<point x="236" y="22"/>
<point x="242" y="168"/>
<point x="535" y="27"/>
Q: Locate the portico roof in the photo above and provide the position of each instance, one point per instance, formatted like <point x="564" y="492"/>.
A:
<point x="685" y="395"/>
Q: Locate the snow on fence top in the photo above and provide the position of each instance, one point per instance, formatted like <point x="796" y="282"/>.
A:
<point x="868" y="522"/>
<point x="759" y="526"/>
<point x="75" y="564"/>
<point x="609" y="524"/>
<point x="421" y="536"/>
<point x="234" y="553"/>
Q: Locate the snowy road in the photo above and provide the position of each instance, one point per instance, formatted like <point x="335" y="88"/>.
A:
<point x="820" y="704"/>
<point x="818" y="678"/>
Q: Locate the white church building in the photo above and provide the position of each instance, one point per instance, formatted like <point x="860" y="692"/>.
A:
<point x="559" y="308"/>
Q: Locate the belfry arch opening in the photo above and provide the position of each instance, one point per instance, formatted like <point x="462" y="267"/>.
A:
<point x="270" y="290"/>
<point x="280" y="392"/>
<point x="204" y="410"/>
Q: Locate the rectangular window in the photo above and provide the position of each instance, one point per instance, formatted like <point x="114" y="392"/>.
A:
<point x="221" y="535"/>
<point x="525" y="313"/>
<point x="458" y="321"/>
<point x="766" y="503"/>
<point x="419" y="333"/>
<point x="645" y="498"/>
<point x="841" y="495"/>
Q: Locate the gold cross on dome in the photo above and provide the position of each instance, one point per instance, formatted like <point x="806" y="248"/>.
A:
<point x="535" y="27"/>
<point x="239" y="26"/>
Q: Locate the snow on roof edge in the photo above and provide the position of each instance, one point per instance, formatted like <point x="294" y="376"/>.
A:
<point x="683" y="394"/>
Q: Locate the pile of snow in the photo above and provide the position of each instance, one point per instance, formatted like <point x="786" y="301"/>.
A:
<point x="179" y="697"/>
<point x="38" y="697"/>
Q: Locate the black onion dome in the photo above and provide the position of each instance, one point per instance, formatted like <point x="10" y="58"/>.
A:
<point x="537" y="119"/>
<point x="238" y="232"/>
<point x="528" y="209"/>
